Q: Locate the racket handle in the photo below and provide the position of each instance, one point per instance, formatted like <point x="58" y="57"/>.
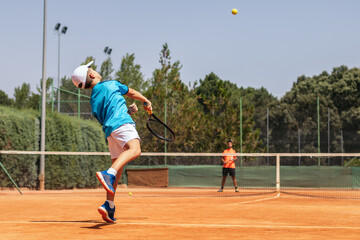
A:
<point x="149" y="111"/>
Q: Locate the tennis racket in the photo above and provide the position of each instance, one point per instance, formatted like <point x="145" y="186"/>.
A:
<point x="158" y="128"/>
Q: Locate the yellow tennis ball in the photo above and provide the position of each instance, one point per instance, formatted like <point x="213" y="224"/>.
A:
<point x="130" y="194"/>
<point x="234" y="11"/>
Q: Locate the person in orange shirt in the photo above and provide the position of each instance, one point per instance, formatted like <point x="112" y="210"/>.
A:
<point x="228" y="166"/>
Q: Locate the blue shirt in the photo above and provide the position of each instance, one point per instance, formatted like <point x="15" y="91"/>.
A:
<point x="109" y="106"/>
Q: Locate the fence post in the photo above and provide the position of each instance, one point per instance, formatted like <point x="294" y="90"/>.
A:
<point x="329" y="135"/>
<point x="240" y="130"/>
<point x="165" y="145"/>
<point x="318" y="120"/>
<point x="299" y="146"/>
<point x="267" y="134"/>
<point x="78" y="102"/>
<point x="342" y="146"/>
<point x="278" y="174"/>
<point x="52" y="96"/>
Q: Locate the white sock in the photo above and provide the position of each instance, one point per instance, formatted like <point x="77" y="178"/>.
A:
<point x="111" y="203"/>
<point x="112" y="171"/>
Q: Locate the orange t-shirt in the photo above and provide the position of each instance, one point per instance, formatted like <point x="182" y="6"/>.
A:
<point x="229" y="160"/>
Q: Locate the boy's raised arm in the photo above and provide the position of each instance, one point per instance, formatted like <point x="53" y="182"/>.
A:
<point x="138" y="96"/>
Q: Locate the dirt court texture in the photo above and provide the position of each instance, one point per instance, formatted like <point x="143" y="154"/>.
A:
<point x="72" y="214"/>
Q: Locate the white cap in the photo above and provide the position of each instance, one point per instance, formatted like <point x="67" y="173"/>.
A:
<point x="79" y="75"/>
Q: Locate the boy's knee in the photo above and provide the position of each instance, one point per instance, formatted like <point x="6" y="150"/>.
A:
<point x="134" y="147"/>
<point x="137" y="152"/>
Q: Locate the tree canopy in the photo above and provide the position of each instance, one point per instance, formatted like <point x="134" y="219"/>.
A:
<point x="205" y="114"/>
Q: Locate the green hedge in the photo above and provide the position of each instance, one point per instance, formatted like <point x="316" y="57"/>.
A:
<point x="20" y="130"/>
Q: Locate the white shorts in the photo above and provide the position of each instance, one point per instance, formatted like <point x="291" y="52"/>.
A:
<point x="119" y="137"/>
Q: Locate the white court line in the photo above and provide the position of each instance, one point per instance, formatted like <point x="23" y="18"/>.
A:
<point x="191" y="225"/>
<point x="256" y="200"/>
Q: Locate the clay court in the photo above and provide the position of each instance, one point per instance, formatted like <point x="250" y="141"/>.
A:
<point x="161" y="214"/>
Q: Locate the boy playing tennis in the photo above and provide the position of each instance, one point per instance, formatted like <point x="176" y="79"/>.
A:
<point x="109" y="107"/>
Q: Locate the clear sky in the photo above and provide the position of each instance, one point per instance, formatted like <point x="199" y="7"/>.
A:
<point x="268" y="44"/>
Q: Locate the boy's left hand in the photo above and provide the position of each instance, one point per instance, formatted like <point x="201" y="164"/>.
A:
<point x="132" y="109"/>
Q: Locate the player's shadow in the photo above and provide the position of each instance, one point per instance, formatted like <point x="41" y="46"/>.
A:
<point x="98" y="224"/>
<point x="102" y="224"/>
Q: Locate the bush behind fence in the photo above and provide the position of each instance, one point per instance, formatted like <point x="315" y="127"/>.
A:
<point x="20" y="130"/>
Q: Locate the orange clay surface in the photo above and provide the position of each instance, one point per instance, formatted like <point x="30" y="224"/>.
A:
<point x="72" y="214"/>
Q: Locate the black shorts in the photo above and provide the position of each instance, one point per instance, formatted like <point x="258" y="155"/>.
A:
<point x="230" y="171"/>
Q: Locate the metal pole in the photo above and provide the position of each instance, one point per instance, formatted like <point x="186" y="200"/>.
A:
<point x="58" y="95"/>
<point x="43" y="107"/>
<point x="267" y="134"/>
<point x="165" y="143"/>
<point x="329" y="135"/>
<point x="165" y="146"/>
<point x="78" y="102"/>
<point x="278" y="174"/>
<point x="241" y="131"/>
<point x="52" y="96"/>
<point x="299" y="145"/>
<point x="318" y="120"/>
<point x="40" y="103"/>
<point x="342" y="146"/>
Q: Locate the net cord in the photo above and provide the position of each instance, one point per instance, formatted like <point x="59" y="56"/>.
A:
<point x="173" y="154"/>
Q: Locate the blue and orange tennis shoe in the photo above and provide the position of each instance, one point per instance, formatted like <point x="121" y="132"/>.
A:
<point x="107" y="180"/>
<point x="107" y="213"/>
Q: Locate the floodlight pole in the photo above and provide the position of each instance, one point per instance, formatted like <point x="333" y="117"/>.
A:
<point x="43" y="107"/>
<point x="59" y="32"/>
<point x="107" y="51"/>
<point x="58" y="94"/>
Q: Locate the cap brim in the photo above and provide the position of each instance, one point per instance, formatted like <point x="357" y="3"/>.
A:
<point x="89" y="64"/>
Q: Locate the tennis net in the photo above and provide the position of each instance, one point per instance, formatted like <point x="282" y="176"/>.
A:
<point x="194" y="174"/>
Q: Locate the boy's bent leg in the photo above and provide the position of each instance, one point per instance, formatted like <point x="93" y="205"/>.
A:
<point x="132" y="151"/>
<point x="127" y="146"/>
<point x="107" y="210"/>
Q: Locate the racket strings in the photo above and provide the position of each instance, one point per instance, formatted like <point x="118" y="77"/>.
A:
<point x="160" y="130"/>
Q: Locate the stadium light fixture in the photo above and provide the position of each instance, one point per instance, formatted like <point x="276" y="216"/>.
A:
<point x="63" y="31"/>
<point x="107" y="50"/>
<point x="57" y="26"/>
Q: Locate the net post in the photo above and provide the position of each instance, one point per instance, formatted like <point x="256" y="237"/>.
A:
<point x="278" y="174"/>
